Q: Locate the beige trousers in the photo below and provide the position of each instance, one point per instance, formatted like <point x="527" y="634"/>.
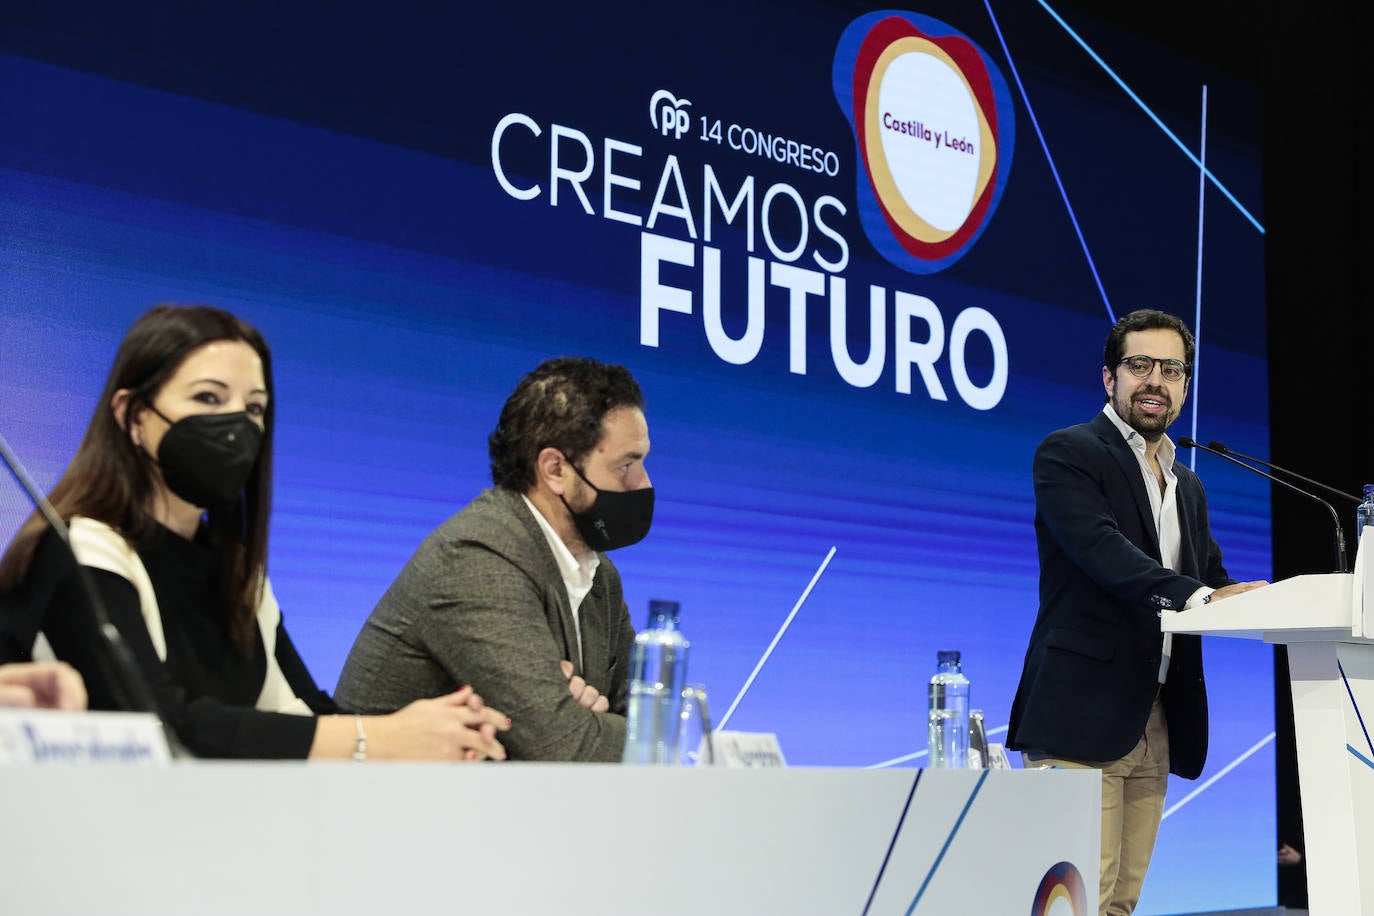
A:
<point x="1132" y="804"/>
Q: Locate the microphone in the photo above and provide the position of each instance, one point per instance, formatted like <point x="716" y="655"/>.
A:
<point x="1341" y="564"/>
<point x="126" y="681"/>
<point x="1217" y="446"/>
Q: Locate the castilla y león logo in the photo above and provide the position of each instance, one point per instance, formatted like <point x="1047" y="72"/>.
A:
<point x="1061" y="891"/>
<point x="934" y="126"/>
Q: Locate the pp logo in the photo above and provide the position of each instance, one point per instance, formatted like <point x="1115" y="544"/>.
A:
<point x="934" y="125"/>
<point x="667" y="113"/>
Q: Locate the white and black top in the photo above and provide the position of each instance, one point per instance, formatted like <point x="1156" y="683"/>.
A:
<point x="161" y="594"/>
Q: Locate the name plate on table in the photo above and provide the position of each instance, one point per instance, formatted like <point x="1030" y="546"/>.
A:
<point x="34" y="737"/>
<point x="997" y="758"/>
<point x="747" y="750"/>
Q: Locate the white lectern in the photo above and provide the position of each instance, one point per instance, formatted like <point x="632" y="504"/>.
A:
<point x="1327" y="623"/>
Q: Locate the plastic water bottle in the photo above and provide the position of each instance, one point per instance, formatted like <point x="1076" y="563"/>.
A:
<point x="977" y="740"/>
<point x="1364" y="515"/>
<point x="948" y="714"/>
<point x="658" y="673"/>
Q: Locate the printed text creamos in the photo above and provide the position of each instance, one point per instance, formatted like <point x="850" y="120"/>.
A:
<point x="793" y="253"/>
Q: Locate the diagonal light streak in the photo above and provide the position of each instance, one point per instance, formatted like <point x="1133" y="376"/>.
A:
<point x="896" y="760"/>
<point x="905" y="757"/>
<point x="949" y="840"/>
<point x="892" y="844"/>
<point x="1151" y="115"/>
<point x="1359" y="716"/>
<point x="1054" y="170"/>
<point x="1220" y="773"/>
<point x="776" y="639"/>
<point x="1197" y="290"/>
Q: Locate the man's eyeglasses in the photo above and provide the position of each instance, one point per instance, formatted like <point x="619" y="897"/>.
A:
<point x="1142" y="366"/>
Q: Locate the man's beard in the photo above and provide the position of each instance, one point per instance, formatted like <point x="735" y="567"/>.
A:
<point x="1150" y="426"/>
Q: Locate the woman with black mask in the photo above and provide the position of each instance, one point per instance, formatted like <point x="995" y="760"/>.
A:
<point x="168" y="500"/>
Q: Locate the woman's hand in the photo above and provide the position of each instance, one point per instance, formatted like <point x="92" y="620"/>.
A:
<point x="457" y="726"/>
<point x="42" y="685"/>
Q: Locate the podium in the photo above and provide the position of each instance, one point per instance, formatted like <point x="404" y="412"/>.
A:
<point x="1327" y="623"/>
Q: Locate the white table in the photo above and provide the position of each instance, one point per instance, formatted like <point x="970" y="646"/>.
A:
<point x="538" y="838"/>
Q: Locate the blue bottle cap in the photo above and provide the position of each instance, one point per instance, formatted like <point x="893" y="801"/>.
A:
<point x="948" y="655"/>
<point x="668" y="610"/>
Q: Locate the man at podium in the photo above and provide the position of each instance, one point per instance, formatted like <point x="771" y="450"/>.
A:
<point x="1123" y="534"/>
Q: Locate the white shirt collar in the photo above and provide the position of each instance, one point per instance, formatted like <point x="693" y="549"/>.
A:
<point x="575" y="572"/>
<point x="578" y="575"/>
<point x="1136" y="441"/>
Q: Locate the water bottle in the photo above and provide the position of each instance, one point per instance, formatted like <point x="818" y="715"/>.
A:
<point x="658" y="674"/>
<point x="1364" y="515"/>
<point x="977" y="740"/>
<point x="948" y="714"/>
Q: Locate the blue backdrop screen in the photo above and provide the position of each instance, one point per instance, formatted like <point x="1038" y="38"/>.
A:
<point x="860" y="263"/>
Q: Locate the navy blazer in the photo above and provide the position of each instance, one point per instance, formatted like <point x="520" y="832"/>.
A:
<point x="1092" y="667"/>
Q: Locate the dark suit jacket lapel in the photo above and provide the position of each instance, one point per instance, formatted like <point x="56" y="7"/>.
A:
<point x="1125" y="459"/>
<point x="1189" y="551"/>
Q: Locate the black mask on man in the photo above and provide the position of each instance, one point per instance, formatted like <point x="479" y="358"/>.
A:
<point x="206" y="457"/>
<point x="615" y="518"/>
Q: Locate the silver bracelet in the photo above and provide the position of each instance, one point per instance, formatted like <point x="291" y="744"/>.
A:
<point x="360" y="745"/>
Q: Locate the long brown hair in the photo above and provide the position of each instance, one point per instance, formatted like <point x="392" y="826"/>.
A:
<point x="111" y="480"/>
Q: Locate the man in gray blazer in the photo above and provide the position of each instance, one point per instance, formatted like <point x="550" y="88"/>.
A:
<point x="515" y="594"/>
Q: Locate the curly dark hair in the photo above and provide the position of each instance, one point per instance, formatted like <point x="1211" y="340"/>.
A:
<point x="1146" y="320"/>
<point x="561" y="404"/>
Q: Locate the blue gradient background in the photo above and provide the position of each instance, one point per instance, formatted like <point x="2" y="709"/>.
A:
<point x="404" y="293"/>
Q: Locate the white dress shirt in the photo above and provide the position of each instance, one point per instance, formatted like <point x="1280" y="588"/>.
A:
<point x="1163" y="506"/>
<point x="577" y="573"/>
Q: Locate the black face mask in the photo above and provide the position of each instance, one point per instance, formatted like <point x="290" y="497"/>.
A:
<point x="615" y="518"/>
<point x="206" y="458"/>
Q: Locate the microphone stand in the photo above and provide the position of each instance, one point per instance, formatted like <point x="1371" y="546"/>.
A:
<point x="1217" y="446"/>
<point x="130" y="688"/>
<point x="1341" y="565"/>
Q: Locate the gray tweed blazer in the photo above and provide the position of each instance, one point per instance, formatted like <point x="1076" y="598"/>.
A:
<point x="482" y="602"/>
